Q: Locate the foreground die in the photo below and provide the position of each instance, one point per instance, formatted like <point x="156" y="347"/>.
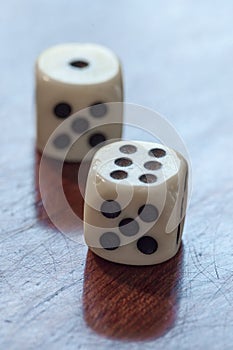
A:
<point x="69" y="78"/>
<point x="135" y="202"/>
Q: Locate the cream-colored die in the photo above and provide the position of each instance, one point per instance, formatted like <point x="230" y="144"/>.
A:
<point x="135" y="202"/>
<point x="69" y="78"/>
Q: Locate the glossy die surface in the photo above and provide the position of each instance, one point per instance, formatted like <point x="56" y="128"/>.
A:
<point x="135" y="202"/>
<point x="69" y="78"/>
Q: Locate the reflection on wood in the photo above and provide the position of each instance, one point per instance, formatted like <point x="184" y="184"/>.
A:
<point x="131" y="303"/>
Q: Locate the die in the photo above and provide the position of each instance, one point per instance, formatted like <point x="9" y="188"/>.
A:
<point x="135" y="202"/>
<point x="69" y="78"/>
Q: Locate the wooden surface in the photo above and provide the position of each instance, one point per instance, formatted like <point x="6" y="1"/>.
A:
<point x="177" y="59"/>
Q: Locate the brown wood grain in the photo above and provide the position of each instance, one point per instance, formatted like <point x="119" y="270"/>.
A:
<point x="131" y="303"/>
<point x="53" y="292"/>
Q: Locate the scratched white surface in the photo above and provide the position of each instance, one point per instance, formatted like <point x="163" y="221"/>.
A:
<point x="177" y="58"/>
